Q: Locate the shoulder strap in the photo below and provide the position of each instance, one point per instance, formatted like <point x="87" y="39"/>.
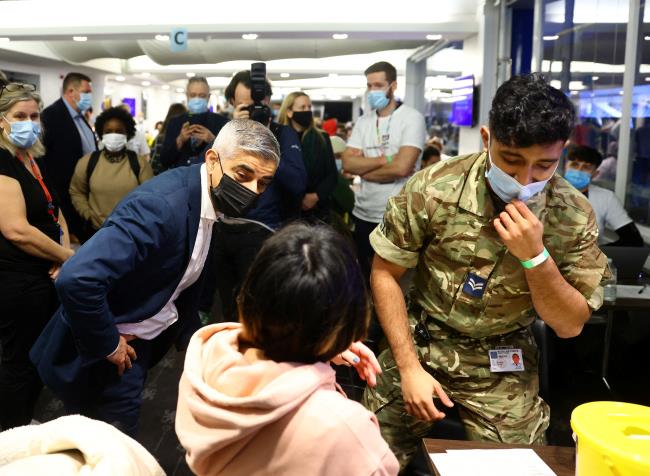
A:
<point x="135" y="165"/>
<point x="92" y="163"/>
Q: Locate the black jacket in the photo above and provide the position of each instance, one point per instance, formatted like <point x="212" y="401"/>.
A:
<point x="62" y="151"/>
<point x="189" y="154"/>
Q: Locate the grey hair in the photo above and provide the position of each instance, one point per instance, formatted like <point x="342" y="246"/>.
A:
<point x="198" y="79"/>
<point x="249" y="137"/>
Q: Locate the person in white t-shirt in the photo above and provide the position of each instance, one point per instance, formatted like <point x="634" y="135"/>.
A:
<point x="581" y="167"/>
<point x="384" y="149"/>
<point x="137" y="143"/>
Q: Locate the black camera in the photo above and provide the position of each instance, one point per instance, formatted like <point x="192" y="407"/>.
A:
<point x="259" y="112"/>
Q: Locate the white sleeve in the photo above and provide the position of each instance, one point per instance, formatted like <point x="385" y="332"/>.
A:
<point x="615" y="215"/>
<point x="143" y="146"/>
<point x="356" y="139"/>
<point x="414" y="132"/>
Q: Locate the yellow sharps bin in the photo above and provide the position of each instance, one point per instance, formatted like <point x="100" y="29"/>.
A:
<point x="613" y="439"/>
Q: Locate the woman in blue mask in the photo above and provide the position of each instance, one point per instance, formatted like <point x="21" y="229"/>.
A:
<point x="317" y="154"/>
<point x="33" y="244"/>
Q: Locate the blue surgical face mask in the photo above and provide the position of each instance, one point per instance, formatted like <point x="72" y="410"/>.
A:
<point x="24" y="133"/>
<point x="85" y="101"/>
<point x="578" y="178"/>
<point x="197" y="105"/>
<point x="378" y="99"/>
<point x="507" y="188"/>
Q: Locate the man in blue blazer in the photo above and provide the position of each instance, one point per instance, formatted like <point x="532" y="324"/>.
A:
<point x="132" y="289"/>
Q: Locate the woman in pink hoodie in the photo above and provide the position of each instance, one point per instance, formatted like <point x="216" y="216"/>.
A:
<point x="260" y="397"/>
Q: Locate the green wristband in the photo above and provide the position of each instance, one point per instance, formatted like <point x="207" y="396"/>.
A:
<point x="536" y="261"/>
<point x="389" y="158"/>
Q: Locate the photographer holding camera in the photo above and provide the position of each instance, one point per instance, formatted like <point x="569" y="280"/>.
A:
<point x="235" y="244"/>
<point x="190" y="134"/>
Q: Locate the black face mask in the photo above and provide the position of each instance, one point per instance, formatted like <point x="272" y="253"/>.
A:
<point x="303" y="118"/>
<point x="231" y="198"/>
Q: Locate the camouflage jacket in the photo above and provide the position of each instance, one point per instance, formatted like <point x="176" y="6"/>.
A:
<point x="441" y="224"/>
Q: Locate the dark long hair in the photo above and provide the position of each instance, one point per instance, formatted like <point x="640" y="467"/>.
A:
<point x="304" y="298"/>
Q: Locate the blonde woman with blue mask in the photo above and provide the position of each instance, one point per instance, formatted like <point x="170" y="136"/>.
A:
<point x="33" y="244"/>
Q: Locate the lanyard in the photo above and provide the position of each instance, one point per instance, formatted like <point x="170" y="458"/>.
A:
<point x="46" y="192"/>
<point x="380" y="142"/>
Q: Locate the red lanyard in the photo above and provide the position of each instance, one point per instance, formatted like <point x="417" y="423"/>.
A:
<point x="48" y="195"/>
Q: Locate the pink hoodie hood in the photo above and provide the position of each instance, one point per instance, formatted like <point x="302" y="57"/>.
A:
<point x="225" y="400"/>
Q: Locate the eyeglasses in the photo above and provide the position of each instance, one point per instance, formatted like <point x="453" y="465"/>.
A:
<point x="13" y="87"/>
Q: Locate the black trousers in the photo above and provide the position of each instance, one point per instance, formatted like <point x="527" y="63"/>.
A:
<point x="232" y="251"/>
<point x="26" y="304"/>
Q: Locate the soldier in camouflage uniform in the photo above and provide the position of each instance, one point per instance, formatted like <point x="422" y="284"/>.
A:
<point x="467" y="240"/>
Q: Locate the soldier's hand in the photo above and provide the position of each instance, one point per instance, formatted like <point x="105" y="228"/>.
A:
<point x="418" y="390"/>
<point x="520" y="231"/>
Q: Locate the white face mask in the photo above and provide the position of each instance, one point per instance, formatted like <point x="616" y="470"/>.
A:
<point x="114" y="142"/>
<point x="508" y="188"/>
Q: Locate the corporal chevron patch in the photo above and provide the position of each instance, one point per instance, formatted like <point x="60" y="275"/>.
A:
<point x="474" y="285"/>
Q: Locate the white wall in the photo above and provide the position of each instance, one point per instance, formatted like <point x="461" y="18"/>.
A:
<point x="52" y="79"/>
<point x="469" y="139"/>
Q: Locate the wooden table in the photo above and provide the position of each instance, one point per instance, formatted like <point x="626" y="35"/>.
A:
<point x="560" y="459"/>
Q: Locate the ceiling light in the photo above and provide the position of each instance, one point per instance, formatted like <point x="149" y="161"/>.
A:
<point x="340" y="36"/>
<point x="119" y="78"/>
<point x="4" y="39"/>
<point x="162" y="37"/>
<point x="647" y="78"/>
<point x="550" y="37"/>
<point x="80" y="38"/>
<point x="434" y="37"/>
<point x="620" y="92"/>
<point x="284" y="75"/>
<point x="180" y="90"/>
<point x="595" y="78"/>
<point x="249" y="36"/>
<point x="165" y="86"/>
<point x="190" y="74"/>
<point x="146" y="83"/>
<point x="646" y="38"/>
<point x="575" y="92"/>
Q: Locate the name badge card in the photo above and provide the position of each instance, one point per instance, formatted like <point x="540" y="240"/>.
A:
<point x="506" y="360"/>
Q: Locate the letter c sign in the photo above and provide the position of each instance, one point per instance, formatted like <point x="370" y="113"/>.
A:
<point x="178" y="40"/>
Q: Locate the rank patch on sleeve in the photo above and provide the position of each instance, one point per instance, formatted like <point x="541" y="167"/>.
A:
<point x="474" y="285"/>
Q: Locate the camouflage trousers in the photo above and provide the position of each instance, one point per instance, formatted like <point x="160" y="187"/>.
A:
<point x="501" y="407"/>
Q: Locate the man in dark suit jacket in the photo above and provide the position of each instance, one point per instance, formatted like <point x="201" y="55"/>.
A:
<point x="132" y="289"/>
<point x="189" y="134"/>
<point x="68" y="137"/>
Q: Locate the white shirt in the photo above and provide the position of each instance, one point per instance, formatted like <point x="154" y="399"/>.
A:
<point x="155" y="325"/>
<point x="404" y="127"/>
<point x="609" y="211"/>
<point x="138" y="144"/>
